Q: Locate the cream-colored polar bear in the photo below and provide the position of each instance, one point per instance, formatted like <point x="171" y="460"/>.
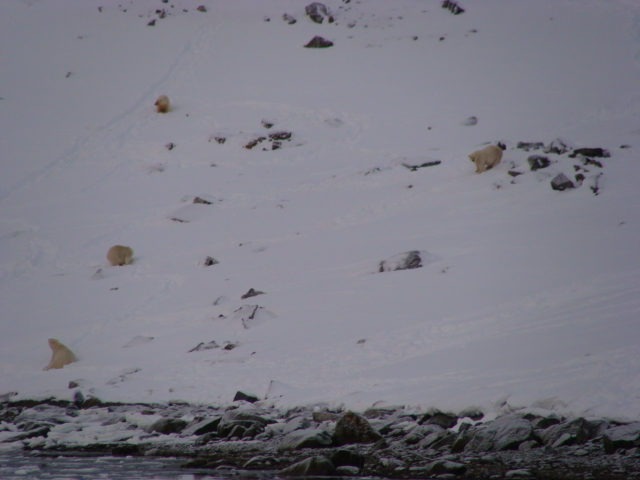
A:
<point x="486" y="158"/>
<point x="162" y="104"/>
<point x="119" y="255"/>
<point x="61" y="355"/>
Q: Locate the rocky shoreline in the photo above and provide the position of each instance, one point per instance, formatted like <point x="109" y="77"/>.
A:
<point x="386" y="442"/>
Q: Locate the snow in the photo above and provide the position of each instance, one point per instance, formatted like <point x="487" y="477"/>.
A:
<point x="529" y="297"/>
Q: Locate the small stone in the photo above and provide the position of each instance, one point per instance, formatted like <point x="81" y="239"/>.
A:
<point x="537" y="162"/>
<point x="209" y="261"/>
<point x="319" y="42"/>
<point x="470" y="122"/>
<point x="252" y="293"/>
<point x="290" y="20"/>
<point x="202" y="8"/>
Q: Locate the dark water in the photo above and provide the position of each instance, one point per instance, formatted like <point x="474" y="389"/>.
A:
<point x="16" y="465"/>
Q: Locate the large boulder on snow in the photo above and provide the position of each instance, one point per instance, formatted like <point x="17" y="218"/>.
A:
<point x="318" y="12"/>
<point x="308" y="438"/>
<point x="319" y="42"/>
<point x="622" y="436"/>
<point x="504" y="433"/>
<point x="577" y="431"/>
<point x="406" y="261"/>
<point x="354" y="428"/>
<point x="560" y="182"/>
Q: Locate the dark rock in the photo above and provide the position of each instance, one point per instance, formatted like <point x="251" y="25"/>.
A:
<point x="343" y="457"/>
<point x="443" y="420"/>
<point x="413" y="168"/>
<point x="78" y="398"/>
<point x="514" y="173"/>
<point x="317" y="12"/>
<point x="246" y="397"/>
<point x="577" y="431"/>
<point x="220" y="140"/>
<point x="167" y="426"/>
<point x="152" y="23"/>
<point x="544" y="422"/>
<point x="252" y="293"/>
<point x="590" y="152"/>
<point x="42" y="431"/>
<point x="379" y="445"/>
<point x="526" y="146"/>
<point x="290" y="20"/>
<point x="622" y="436"/>
<point x="580" y="178"/>
<point x="402" y="261"/>
<point x="309" y="438"/>
<point x="207" y="262"/>
<point x="537" y="162"/>
<point x="205" y="346"/>
<point x="238" y="431"/>
<point x="170" y="146"/>
<point x="472" y="413"/>
<point x="319" y="42"/>
<point x="441" y="467"/>
<point x="470" y="122"/>
<point x="125" y="450"/>
<point x="560" y="182"/>
<point x="92" y="402"/>
<point x="353" y="428"/>
<point x="557" y="146"/>
<point x="9" y="414"/>
<point x="453" y="7"/>
<point x="311" y="467"/>
<point x="202" y="201"/>
<point x="202" y="427"/>
<point x="254" y="142"/>
<point x="325" y="416"/>
<point x="280" y="136"/>
<point x="202" y="8"/>
<point x="591" y="161"/>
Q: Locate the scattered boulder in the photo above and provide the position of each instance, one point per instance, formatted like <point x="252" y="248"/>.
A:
<point x="557" y="146"/>
<point x="526" y="146"/>
<point x="245" y="397"/>
<point x="537" y="162"/>
<point x="167" y="426"/>
<point x="443" y="420"/>
<point x="208" y="261"/>
<point x="201" y="427"/>
<point x="311" y="467"/>
<point x="289" y="19"/>
<point x="205" y="346"/>
<point x="317" y="12"/>
<point x="251" y="293"/>
<point x="319" y="42"/>
<point x="308" y="438"/>
<point x="590" y="152"/>
<point x="560" y="182"/>
<point x="622" y="436"/>
<point x="413" y="168"/>
<point x="401" y="261"/>
<point x="353" y="428"/>
<point x="574" y="432"/>
<point x="504" y="433"/>
<point x="453" y="7"/>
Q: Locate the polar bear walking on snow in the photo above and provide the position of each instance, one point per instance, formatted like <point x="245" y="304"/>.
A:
<point x="61" y="355"/>
<point x="486" y="158"/>
<point x="120" y="255"/>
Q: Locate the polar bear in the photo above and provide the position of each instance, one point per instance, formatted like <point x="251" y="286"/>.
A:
<point x="61" y="355"/>
<point x="486" y="158"/>
<point x="162" y="104"/>
<point x="119" y="255"/>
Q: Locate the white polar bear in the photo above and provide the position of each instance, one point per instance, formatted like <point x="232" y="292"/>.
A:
<point x="486" y="158"/>
<point x="162" y="104"/>
<point x="61" y="355"/>
<point x="119" y="255"/>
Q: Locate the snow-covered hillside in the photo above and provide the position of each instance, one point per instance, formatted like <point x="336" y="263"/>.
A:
<point x="527" y="296"/>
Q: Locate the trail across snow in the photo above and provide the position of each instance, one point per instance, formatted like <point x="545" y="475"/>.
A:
<point x="528" y="296"/>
